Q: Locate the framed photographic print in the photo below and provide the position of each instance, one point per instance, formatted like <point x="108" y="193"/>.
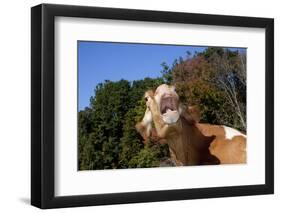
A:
<point x="139" y="106"/>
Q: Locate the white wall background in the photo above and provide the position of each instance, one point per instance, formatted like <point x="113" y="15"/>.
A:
<point x="15" y="105"/>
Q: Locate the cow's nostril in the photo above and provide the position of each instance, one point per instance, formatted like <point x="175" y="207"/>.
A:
<point x="146" y="99"/>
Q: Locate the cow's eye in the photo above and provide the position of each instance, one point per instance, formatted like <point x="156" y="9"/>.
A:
<point x="146" y="99"/>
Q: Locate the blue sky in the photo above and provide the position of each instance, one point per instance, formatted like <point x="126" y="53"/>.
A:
<point x="99" y="61"/>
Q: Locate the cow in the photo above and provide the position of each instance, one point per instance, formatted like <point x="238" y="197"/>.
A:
<point x="190" y="142"/>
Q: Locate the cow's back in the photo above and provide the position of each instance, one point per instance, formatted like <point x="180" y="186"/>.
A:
<point x="229" y="145"/>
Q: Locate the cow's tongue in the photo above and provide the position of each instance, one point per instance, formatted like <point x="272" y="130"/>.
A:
<point x="167" y="110"/>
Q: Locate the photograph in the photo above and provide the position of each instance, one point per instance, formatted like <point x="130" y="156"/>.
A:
<point x="143" y="105"/>
<point x="133" y="105"/>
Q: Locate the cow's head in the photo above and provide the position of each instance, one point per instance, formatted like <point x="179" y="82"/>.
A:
<point x="163" y="104"/>
<point x="167" y="102"/>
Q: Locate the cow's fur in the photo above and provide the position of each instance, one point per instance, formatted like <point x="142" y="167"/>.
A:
<point x="190" y="142"/>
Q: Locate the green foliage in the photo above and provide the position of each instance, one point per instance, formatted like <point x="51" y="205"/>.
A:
<point x="102" y="139"/>
<point x="107" y="135"/>
<point x="139" y="87"/>
<point x="166" y="73"/>
<point x="209" y="52"/>
<point x="149" y="156"/>
<point x="131" y="141"/>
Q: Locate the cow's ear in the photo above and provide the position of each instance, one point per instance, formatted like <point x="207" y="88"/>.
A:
<point x="194" y="112"/>
<point x="191" y="114"/>
<point x="145" y="126"/>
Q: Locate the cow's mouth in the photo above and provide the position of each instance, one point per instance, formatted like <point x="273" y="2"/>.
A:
<point x="169" y="109"/>
<point x="168" y="104"/>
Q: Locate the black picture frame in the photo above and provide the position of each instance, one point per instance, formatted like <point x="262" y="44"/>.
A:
<point x="43" y="102"/>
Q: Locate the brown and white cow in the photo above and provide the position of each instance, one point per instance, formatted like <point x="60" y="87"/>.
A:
<point x="190" y="142"/>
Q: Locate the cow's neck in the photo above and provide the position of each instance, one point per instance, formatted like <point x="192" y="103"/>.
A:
<point x="190" y="147"/>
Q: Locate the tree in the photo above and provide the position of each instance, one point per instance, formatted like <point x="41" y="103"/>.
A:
<point x="131" y="142"/>
<point x="107" y="135"/>
<point x="214" y="80"/>
<point x="101" y="142"/>
<point x="149" y="156"/>
<point x="230" y="76"/>
<point x="84" y="127"/>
